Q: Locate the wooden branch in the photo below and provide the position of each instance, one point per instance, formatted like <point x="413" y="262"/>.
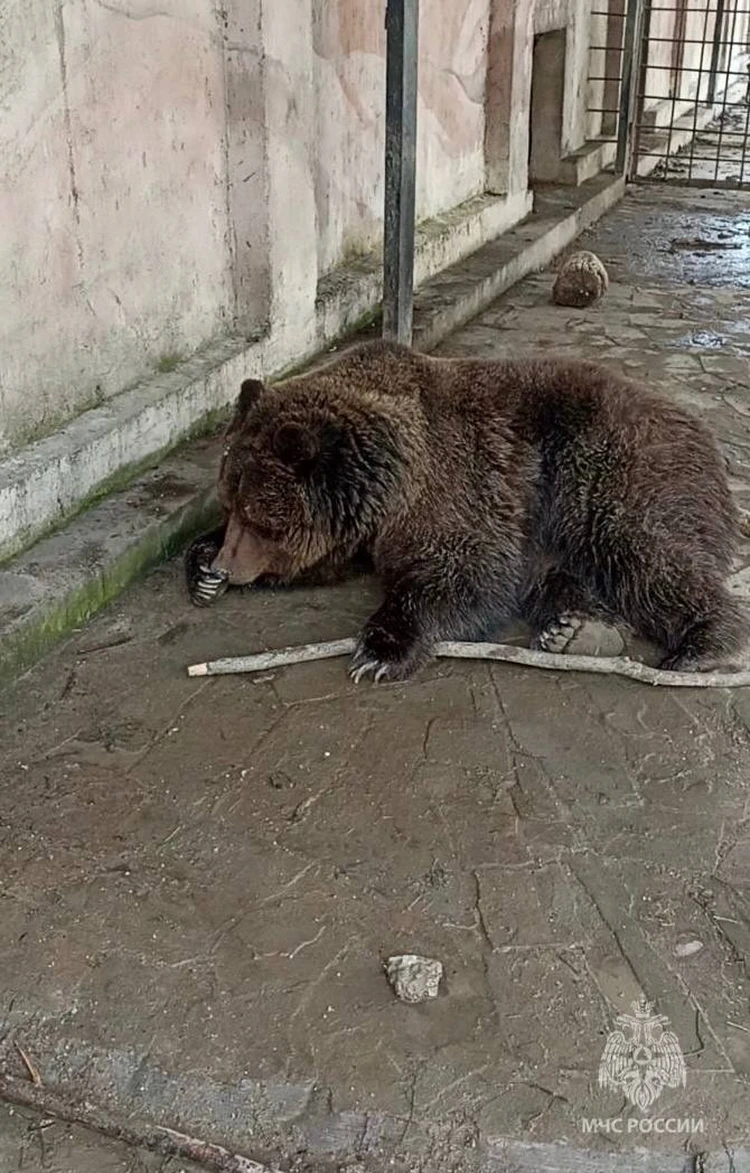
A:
<point x="261" y="661"/>
<point x="166" y="1141"/>
<point x="526" y="657"/>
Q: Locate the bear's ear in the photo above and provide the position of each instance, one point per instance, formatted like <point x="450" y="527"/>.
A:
<point x="250" y="392"/>
<point x="296" y="445"/>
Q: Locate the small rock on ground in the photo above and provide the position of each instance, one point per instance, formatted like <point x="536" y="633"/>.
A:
<point x="414" y="979"/>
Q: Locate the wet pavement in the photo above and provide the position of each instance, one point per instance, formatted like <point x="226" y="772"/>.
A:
<point x="660" y="239"/>
<point x="202" y="879"/>
<point x="30" y="1141"/>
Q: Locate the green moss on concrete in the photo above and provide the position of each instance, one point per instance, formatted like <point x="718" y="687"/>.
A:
<point x="120" y="480"/>
<point x="54" y="420"/>
<point x="168" y="363"/>
<point x="365" y="321"/>
<point x="355" y="250"/>
<point x="45" y="626"/>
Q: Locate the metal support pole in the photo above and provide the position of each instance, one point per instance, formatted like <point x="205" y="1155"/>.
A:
<point x="715" y="53"/>
<point x="629" y="97"/>
<point x="402" y="25"/>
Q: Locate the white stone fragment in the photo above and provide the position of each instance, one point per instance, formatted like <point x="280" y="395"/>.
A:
<point x="414" y="979"/>
<point x="688" y="948"/>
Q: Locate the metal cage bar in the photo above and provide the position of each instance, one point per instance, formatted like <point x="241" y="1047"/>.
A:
<point x="680" y="100"/>
<point x="402" y="34"/>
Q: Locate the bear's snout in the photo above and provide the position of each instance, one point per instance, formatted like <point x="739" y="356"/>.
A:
<point x="242" y="556"/>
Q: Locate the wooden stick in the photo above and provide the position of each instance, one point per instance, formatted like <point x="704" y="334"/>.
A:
<point x="141" y="1133"/>
<point x="30" y="1066"/>
<point x="606" y="665"/>
<point x="527" y="657"/>
<point x="264" y="660"/>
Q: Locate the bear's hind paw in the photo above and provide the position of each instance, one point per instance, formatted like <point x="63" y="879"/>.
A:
<point x="557" y="636"/>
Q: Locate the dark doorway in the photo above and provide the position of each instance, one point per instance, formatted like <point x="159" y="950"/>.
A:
<point x="547" y="96"/>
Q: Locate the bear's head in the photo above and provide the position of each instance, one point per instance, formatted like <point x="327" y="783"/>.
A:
<point x="305" y="474"/>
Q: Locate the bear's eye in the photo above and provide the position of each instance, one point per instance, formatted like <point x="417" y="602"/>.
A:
<point x="260" y="529"/>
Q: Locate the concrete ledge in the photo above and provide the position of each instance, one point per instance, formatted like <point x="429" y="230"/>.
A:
<point x="349" y="292"/>
<point x="594" y="156"/>
<point x="101" y="449"/>
<point x="461" y="231"/>
<point x="462" y="291"/>
<point x="48" y="481"/>
<point x="64" y="579"/>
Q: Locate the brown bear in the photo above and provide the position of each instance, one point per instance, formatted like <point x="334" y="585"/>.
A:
<point x="482" y="491"/>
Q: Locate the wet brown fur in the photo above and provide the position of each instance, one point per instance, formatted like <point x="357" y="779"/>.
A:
<point x="483" y="491"/>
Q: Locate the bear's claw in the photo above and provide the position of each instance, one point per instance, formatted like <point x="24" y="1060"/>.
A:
<point x="208" y="586"/>
<point x="557" y="636"/>
<point x="360" y="670"/>
<point x="382" y="666"/>
<point x="380" y="670"/>
<point x="369" y="661"/>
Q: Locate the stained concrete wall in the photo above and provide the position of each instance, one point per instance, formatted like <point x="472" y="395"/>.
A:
<point x="349" y="45"/>
<point x="171" y="175"/>
<point x="573" y="16"/>
<point x="114" y="241"/>
<point x="349" y="76"/>
<point x="453" y="78"/>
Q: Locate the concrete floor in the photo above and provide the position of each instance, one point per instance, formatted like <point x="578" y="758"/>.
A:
<point x="30" y="1141"/>
<point x="203" y="878"/>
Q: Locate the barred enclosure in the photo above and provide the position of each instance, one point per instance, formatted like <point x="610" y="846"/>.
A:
<point x="670" y="81"/>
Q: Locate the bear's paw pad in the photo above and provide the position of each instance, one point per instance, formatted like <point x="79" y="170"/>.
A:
<point x="557" y="636"/>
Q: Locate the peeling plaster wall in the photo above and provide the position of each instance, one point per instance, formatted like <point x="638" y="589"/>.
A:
<point x="349" y="81"/>
<point x="453" y="71"/>
<point x="349" y="47"/>
<point x="113" y="248"/>
<point x="175" y="172"/>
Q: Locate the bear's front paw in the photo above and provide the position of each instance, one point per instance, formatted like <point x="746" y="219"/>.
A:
<point x="204" y="585"/>
<point x="386" y="657"/>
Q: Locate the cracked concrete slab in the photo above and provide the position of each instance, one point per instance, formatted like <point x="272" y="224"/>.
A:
<point x="30" y="1141"/>
<point x="202" y="879"/>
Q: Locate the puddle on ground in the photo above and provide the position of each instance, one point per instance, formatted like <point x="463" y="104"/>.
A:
<point x="701" y="339"/>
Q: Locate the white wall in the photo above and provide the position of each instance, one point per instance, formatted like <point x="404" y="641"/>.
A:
<point x="174" y="173"/>
<point x="349" y="44"/>
<point x="113" y="246"/>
